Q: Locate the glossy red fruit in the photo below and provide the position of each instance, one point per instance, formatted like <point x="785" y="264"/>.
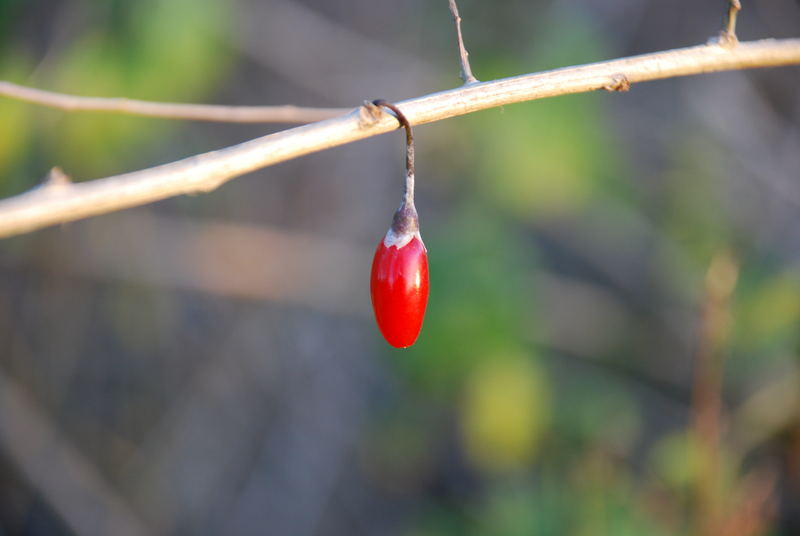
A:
<point x="399" y="287"/>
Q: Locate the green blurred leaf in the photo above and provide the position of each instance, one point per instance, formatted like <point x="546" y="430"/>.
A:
<point x="482" y="299"/>
<point x="678" y="461"/>
<point x="8" y="9"/>
<point x="177" y="48"/>
<point x="694" y="219"/>
<point x="675" y="461"/>
<point x="516" y="509"/>
<point x="549" y="158"/>
<point x="770" y="315"/>
<point x="597" y="413"/>
<point x="165" y="51"/>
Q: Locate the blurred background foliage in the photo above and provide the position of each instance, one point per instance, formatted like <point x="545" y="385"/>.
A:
<point x="611" y="344"/>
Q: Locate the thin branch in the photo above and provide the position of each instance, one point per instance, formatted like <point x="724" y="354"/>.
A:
<point x="45" y="206"/>
<point x="168" y="110"/>
<point x="728" y="35"/>
<point x="466" y="70"/>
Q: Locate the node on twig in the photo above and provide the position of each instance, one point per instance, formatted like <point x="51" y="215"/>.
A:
<point x="619" y="82"/>
<point x="368" y="114"/>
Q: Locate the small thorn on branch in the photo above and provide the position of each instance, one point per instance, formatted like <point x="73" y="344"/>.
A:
<point x="728" y="35"/>
<point x="466" y="70"/>
<point x="619" y="82"/>
<point x="56" y="180"/>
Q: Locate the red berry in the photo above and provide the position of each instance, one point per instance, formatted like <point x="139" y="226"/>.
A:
<point x="399" y="287"/>
<point x="399" y="282"/>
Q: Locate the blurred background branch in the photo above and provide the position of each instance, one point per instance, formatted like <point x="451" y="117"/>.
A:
<point x="169" y="110"/>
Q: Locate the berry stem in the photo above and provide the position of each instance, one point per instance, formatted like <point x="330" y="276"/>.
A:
<point x="408" y="196"/>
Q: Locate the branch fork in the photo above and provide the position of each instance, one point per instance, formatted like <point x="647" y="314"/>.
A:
<point x="727" y="37"/>
<point x="466" y="70"/>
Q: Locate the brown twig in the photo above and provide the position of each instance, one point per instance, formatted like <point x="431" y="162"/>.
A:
<point x="168" y="110"/>
<point x="728" y="35"/>
<point x="466" y="70"/>
<point x="204" y="172"/>
<point x="720" y="283"/>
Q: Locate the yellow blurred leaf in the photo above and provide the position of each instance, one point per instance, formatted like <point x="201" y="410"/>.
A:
<point x="504" y="413"/>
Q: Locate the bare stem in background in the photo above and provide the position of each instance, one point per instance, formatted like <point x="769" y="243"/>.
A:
<point x="48" y="205"/>
<point x="168" y="110"/>
<point x="728" y="35"/>
<point x="466" y="70"/>
<point x="714" y="326"/>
